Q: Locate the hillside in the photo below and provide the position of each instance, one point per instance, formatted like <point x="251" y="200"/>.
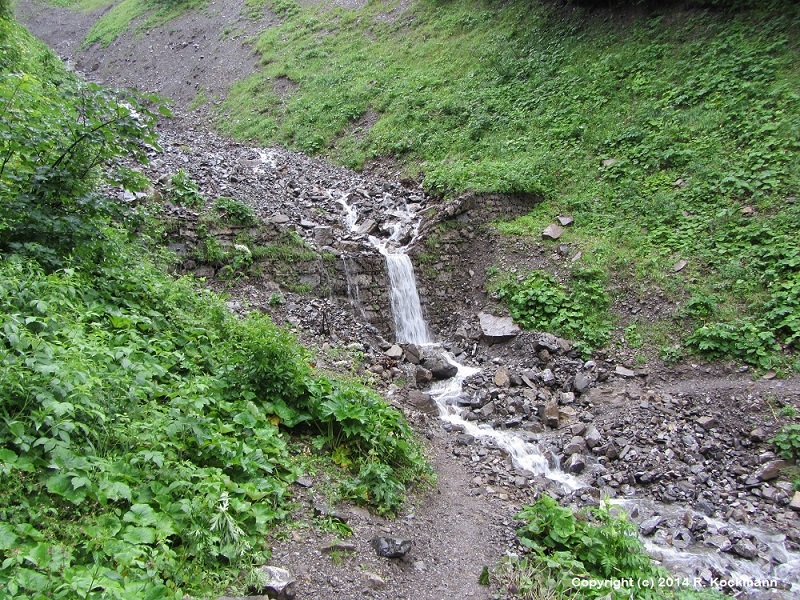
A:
<point x="655" y="145"/>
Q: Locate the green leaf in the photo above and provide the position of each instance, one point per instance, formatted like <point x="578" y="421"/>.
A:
<point x="7" y="537"/>
<point x="139" y="535"/>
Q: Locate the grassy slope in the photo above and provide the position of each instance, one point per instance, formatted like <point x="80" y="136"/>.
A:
<point x="653" y="132"/>
<point x="148" y="437"/>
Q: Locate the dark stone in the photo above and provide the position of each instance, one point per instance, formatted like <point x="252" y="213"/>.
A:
<point x="439" y="367"/>
<point x="649" y="526"/>
<point x="389" y="547"/>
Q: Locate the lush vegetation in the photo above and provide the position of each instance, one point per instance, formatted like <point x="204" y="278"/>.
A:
<point x="577" y="310"/>
<point x="146" y="434"/>
<point x="569" y="551"/>
<point x="668" y="137"/>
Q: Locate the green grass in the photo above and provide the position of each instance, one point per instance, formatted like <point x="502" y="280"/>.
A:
<point x="654" y="132"/>
<point x="147" y="14"/>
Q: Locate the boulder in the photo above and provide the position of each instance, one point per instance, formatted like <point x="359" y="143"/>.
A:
<point x="439" y="367"/>
<point x="323" y="236"/>
<point x="552" y="231"/>
<point x="576" y="445"/>
<point x="581" y="382"/>
<point x="592" y="437"/>
<point x="497" y="329"/>
<point x="649" y="526"/>
<point x="389" y="547"/>
<point x="745" y="548"/>
<point x="795" y="503"/>
<point x="576" y="464"/>
<point x="551" y="415"/>
<point x="770" y="470"/>
<point x="624" y="372"/>
<point x="414" y="354"/>
<point x="423" y="402"/>
<point x="502" y="377"/>
<point x="395" y="352"/>
<point x="274" y="582"/>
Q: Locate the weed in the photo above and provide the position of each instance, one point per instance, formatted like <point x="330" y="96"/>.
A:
<point x="787" y="442"/>
<point x="182" y="191"/>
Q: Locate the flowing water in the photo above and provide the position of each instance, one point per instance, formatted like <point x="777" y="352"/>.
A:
<point x="694" y="562"/>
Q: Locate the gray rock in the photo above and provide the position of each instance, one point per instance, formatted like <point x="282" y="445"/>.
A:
<point x="745" y="548"/>
<point x="679" y="266"/>
<point x="304" y="481"/>
<point x="374" y="581"/>
<point x="575" y="446"/>
<point x="758" y="435"/>
<point x="707" y="422"/>
<point x="581" y="383"/>
<point x="649" y="526"/>
<point x="422" y="375"/>
<point x="552" y="231"/>
<point x="497" y="329"/>
<point x="551" y="415"/>
<point x="279" y="219"/>
<point x="795" y="503"/>
<point x="770" y="470"/>
<point x="721" y="542"/>
<point x="338" y="547"/>
<point x="323" y="236"/>
<point x="414" y="354"/>
<point x="547" y="341"/>
<point x="423" y="402"/>
<point x="624" y="372"/>
<point x="502" y="377"/>
<point x="592" y="437"/>
<point x="275" y="582"/>
<point x="395" y="352"/>
<point x="439" y="367"/>
<point x="565" y="220"/>
<point x="368" y="227"/>
<point x="389" y="547"/>
<point x="487" y="409"/>
<point x="576" y="464"/>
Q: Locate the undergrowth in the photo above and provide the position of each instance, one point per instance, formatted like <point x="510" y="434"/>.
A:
<point x="667" y="136"/>
<point x="143" y="428"/>
<point x="590" y="554"/>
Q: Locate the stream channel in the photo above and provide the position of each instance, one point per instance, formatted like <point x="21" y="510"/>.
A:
<point x="773" y="568"/>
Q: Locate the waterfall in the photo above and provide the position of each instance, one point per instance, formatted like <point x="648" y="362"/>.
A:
<point x="410" y="326"/>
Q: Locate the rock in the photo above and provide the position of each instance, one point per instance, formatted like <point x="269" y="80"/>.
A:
<point x="423" y="402"/>
<point x="581" y="382"/>
<point x="389" y="547"/>
<point x="552" y="231"/>
<point x="608" y="162"/>
<point x="395" y="352"/>
<point x="374" y="581"/>
<point x="414" y="354"/>
<point x="304" y="481"/>
<point x="549" y="342"/>
<point x="323" y="236"/>
<point x="422" y="375"/>
<point x="770" y="470"/>
<point x="721" y="542"/>
<point x="576" y="445"/>
<point x="745" y="548"/>
<point x="338" y="547"/>
<point x="487" y="409"/>
<point x="679" y="266"/>
<point x="565" y="220"/>
<point x="551" y="415"/>
<point x="502" y="377"/>
<point x="576" y="464"/>
<point x="439" y="367"/>
<point x="274" y="582"/>
<point x="649" y="526"/>
<point x="368" y="227"/>
<point x="707" y="422"/>
<point x="592" y="437"/>
<point x="497" y="329"/>
<point x="279" y="219"/>
<point x="758" y="435"/>
<point x="624" y="372"/>
<point x="795" y="503"/>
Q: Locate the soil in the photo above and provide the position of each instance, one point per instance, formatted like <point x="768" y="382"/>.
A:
<point x="466" y="521"/>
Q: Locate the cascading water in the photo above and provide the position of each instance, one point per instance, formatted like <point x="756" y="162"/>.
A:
<point x="410" y="327"/>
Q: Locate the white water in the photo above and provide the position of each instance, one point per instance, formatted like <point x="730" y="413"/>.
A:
<point x="409" y="324"/>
